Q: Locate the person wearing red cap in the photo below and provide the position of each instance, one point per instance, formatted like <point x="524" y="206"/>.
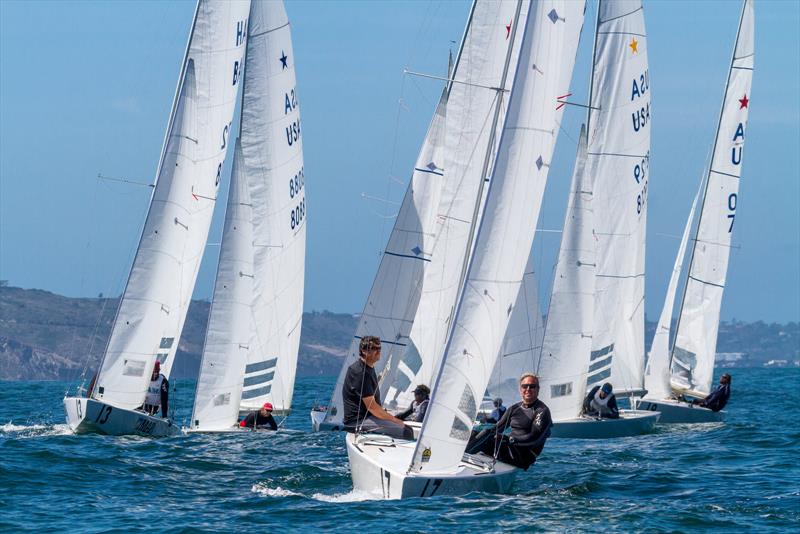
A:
<point x="157" y="393"/>
<point x="260" y="419"/>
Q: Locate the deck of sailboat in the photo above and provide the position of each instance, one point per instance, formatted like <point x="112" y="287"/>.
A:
<point x="630" y="423"/>
<point x="379" y="466"/>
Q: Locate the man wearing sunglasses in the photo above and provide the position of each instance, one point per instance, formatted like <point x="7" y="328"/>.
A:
<point x="529" y="422"/>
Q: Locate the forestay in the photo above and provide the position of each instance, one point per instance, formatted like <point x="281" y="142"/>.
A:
<point x="564" y="361"/>
<point x="156" y="298"/>
<point x="696" y="336"/>
<point x="505" y="234"/>
<point x="230" y="327"/>
<point x="656" y="378"/>
<point x="618" y="161"/>
<point x="272" y="161"/>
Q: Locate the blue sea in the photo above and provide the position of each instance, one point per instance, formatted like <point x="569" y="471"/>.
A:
<point x="740" y="475"/>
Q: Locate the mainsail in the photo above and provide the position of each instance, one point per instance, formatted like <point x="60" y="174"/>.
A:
<point x="219" y="386"/>
<point x="564" y="362"/>
<point x="425" y="224"/>
<point x="694" y="350"/>
<point x="505" y="234"/>
<point x="618" y="161"/>
<point x="656" y="377"/>
<point x="156" y="298"/>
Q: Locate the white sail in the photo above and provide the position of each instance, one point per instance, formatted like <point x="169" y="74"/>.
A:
<point x="564" y="362"/>
<point x="272" y="161"/>
<point x="488" y="60"/>
<point x="393" y="299"/>
<point x="505" y="234"/>
<point x="400" y="283"/>
<point x="523" y="340"/>
<point x="656" y="377"/>
<point x="618" y="160"/>
<point x="694" y="350"/>
<point x="154" y="304"/>
<point x="230" y="327"/>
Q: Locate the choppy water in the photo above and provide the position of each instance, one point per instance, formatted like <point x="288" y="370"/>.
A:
<point x="741" y="475"/>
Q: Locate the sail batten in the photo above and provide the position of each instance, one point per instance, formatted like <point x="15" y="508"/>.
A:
<point x="694" y="349"/>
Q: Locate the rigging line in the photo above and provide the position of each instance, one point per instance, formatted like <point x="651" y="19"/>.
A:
<point x="123" y="180"/>
<point x="453" y="80"/>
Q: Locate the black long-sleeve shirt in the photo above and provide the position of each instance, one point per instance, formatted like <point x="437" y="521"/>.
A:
<point x="718" y="398"/>
<point x="611" y="405"/>
<point x="256" y="420"/>
<point x="530" y="428"/>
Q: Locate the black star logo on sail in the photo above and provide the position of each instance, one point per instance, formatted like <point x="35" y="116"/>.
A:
<point x="284" y="60"/>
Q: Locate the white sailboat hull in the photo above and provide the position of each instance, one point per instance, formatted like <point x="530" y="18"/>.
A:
<point x="379" y="464"/>
<point x="319" y="424"/>
<point x="91" y="416"/>
<point x="630" y="423"/>
<point x="675" y="412"/>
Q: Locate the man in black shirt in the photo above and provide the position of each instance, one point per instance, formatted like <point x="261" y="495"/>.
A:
<point x="361" y="397"/>
<point x="530" y="424"/>
<point x="260" y="419"/>
<point x="719" y="397"/>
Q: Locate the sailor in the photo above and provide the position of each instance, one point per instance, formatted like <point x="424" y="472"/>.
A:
<point x="601" y="402"/>
<point x="719" y="397"/>
<point x="498" y="411"/>
<point x="260" y="419"/>
<point x="361" y="397"/>
<point x="157" y="392"/>
<point x="529" y="421"/>
<point x="416" y="412"/>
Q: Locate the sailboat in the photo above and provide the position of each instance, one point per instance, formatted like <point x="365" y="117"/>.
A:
<point x="435" y="463"/>
<point x="595" y="326"/>
<point x="689" y="367"/>
<point x="153" y="306"/>
<point x="411" y="301"/>
<point x="253" y="337"/>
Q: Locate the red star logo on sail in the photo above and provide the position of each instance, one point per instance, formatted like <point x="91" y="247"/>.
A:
<point x="508" y="28"/>
<point x="743" y="101"/>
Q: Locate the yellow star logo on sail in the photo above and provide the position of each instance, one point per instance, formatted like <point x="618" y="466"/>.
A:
<point x="634" y="45"/>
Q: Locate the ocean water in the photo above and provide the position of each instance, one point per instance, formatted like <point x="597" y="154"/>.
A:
<point x="743" y="475"/>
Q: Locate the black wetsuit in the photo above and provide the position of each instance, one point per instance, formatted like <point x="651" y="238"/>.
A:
<point x="718" y="398"/>
<point x="256" y="420"/>
<point x="530" y="428"/>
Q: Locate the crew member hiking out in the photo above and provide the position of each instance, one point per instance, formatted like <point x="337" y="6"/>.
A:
<point x="601" y="402"/>
<point x="719" y="397"/>
<point x="530" y="423"/>
<point x="361" y="397"/>
<point x="157" y="393"/>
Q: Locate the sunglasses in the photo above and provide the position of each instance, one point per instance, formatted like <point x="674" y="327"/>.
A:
<point x="529" y="386"/>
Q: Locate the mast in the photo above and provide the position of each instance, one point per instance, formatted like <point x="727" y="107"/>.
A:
<point x="708" y="175"/>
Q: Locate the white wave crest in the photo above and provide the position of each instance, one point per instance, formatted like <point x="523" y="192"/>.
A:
<point x="353" y="496"/>
<point x="31" y="431"/>
<point x="265" y="491"/>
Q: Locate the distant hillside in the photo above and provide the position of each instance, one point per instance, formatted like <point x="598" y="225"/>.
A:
<point x="44" y="336"/>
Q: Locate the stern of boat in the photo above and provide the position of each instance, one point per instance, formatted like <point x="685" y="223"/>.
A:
<point x="677" y="412"/>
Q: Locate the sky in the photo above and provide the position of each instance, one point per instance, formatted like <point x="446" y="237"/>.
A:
<point x="86" y="89"/>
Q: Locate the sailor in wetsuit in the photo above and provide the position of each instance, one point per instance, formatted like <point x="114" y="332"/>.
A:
<point x="530" y="424"/>
<point x="260" y="419"/>
<point x="601" y="402"/>
<point x="157" y="393"/>
<point x="719" y="397"/>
